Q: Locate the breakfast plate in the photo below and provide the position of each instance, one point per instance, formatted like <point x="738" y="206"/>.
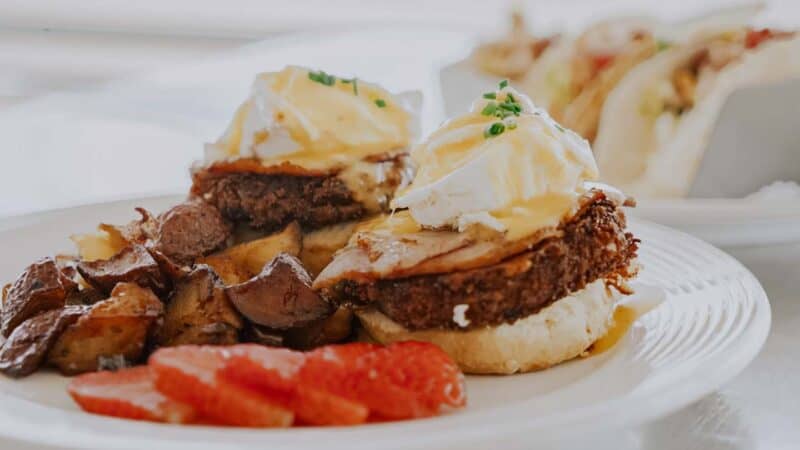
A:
<point x="712" y="322"/>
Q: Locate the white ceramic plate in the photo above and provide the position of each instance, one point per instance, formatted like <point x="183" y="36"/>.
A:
<point x="713" y="321"/>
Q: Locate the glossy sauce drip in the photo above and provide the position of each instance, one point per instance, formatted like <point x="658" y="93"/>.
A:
<point x="323" y="126"/>
<point x="621" y="322"/>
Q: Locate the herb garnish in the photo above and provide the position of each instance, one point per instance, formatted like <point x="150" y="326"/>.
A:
<point x="502" y="110"/>
<point x="329" y="80"/>
<point x="662" y="45"/>
<point x="380" y="102"/>
<point x="322" y="78"/>
<point x="353" y="81"/>
<point x="494" y="129"/>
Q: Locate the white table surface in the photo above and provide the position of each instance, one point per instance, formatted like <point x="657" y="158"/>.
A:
<point x="71" y="148"/>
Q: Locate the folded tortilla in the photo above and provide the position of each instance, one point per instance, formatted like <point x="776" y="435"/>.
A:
<point x="650" y="148"/>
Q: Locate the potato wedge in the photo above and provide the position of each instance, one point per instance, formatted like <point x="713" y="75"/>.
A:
<point x="120" y="325"/>
<point x="280" y="297"/>
<point x="320" y="245"/>
<point x="102" y="245"/>
<point x="199" y="312"/>
<point x="25" y="350"/>
<point x="244" y="261"/>
<point x="39" y="288"/>
<point x="335" y="328"/>
<point x="133" y="264"/>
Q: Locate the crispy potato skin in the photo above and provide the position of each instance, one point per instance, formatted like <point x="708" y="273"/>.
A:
<point x="119" y="325"/>
<point x="41" y="287"/>
<point x="25" y="350"/>
<point x="199" y="313"/>
<point x="241" y="262"/>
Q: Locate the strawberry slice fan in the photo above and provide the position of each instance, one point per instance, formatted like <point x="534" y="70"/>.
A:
<point x="254" y="386"/>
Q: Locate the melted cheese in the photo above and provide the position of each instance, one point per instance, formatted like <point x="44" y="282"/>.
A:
<point x="291" y="118"/>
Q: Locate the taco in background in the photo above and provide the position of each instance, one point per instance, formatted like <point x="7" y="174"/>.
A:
<point x="512" y="56"/>
<point x="573" y="77"/>
<point x="656" y="124"/>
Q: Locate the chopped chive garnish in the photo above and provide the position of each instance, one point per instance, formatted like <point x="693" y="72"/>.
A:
<point x="490" y="95"/>
<point x="322" y="78"/>
<point x="489" y="109"/>
<point x="346" y="81"/>
<point x="503" y="84"/>
<point x="355" y="86"/>
<point x="510" y="98"/>
<point x="662" y="45"/>
<point x="494" y="129"/>
<point x="380" y="102"/>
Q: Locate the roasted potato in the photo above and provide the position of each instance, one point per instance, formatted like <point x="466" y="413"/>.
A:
<point x="133" y="264"/>
<point x="335" y="328"/>
<point x="39" y="288"/>
<point x="320" y="245"/>
<point x="103" y="245"/>
<point x="244" y="261"/>
<point x="199" y="312"/>
<point x="119" y="325"/>
<point x="280" y="297"/>
<point x="24" y="351"/>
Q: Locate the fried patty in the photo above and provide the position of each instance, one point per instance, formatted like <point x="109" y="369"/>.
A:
<point x="270" y="201"/>
<point x="593" y="245"/>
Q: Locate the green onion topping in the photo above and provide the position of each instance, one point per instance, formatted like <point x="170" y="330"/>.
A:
<point x="322" y="78"/>
<point x="490" y="95"/>
<point x="494" y="129"/>
<point x="380" y="102"/>
<point x="503" y="84"/>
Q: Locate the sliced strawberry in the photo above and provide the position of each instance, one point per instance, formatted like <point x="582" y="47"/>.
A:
<point x="350" y="371"/>
<point x="425" y="369"/>
<point x="273" y="372"/>
<point x="189" y="374"/>
<point x="263" y="367"/>
<point x="128" y="393"/>
<point x="318" y="407"/>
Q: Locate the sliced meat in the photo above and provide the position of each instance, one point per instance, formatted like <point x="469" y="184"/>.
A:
<point x="280" y="297"/>
<point x="133" y="264"/>
<point x="593" y="245"/>
<point x="374" y="255"/>
<point x="198" y="312"/>
<point x="24" y="351"/>
<point x="41" y="287"/>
